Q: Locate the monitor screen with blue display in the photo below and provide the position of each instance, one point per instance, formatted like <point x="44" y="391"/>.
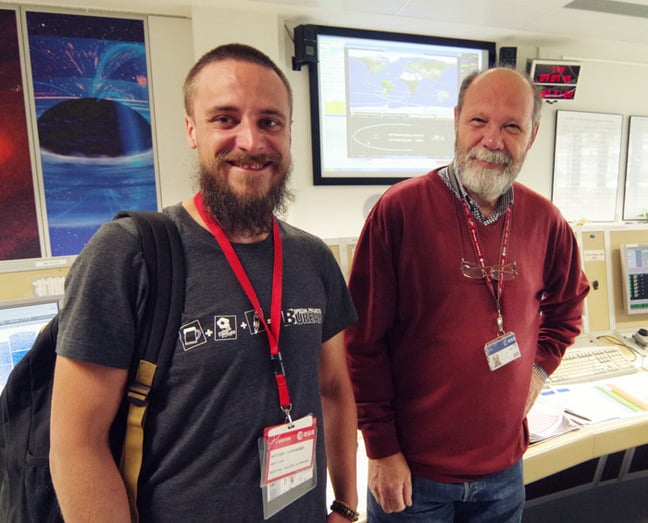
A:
<point x="20" y="322"/>
<point x="382" y="103"/>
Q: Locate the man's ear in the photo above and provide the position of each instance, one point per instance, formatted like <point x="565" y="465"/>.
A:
<point x="190" y="129"/>
<point x="533" y="135"/>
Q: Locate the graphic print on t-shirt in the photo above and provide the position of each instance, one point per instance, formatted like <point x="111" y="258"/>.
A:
<point x="192" y="335"/>
<point x="227" y="327"/>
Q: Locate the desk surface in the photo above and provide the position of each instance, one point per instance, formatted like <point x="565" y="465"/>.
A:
<point x="593" y="441"/>
<point x="559" y="453"/>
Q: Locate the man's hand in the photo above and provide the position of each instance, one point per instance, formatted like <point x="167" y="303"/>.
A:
<point x="390" y="482"/>
<point x="534" y="391"/>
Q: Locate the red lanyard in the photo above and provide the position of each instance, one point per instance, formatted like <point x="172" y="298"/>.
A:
<point x="273" y="328"/>
<point x="506" y="236"/>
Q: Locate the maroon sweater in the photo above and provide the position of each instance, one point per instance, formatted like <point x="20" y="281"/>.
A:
<point x="416" y="356"/>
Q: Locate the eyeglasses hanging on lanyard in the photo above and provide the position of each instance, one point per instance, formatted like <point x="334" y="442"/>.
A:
<point x="501" y="272"/>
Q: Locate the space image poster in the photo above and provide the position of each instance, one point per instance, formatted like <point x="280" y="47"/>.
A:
<point x="19" y="238"/>
<point x="91" y="94"/>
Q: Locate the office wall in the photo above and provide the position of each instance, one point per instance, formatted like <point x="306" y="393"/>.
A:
<point x="611" y="81"/>
<point x="338" y="211"/>
<point x="171" y="56"/>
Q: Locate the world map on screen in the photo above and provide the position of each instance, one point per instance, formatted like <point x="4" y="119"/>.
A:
<point x="411" y="84"/>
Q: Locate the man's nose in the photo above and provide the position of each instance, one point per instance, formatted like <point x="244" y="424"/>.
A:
<point x="493" y="138"/>
<point x="249" y="137"/>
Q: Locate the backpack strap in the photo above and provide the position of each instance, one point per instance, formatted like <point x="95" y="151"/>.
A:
<point x="158" y="333"/>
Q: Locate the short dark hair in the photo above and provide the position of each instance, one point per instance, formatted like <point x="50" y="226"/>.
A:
<point x="537" y="99"/>
<point x="239" y="52"/>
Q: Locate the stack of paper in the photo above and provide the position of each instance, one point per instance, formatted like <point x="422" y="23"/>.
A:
<point x="547" y="420"/>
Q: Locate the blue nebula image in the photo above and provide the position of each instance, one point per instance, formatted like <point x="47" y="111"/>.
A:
<point x="83" y="193"/>
<point x="91" y="94"/>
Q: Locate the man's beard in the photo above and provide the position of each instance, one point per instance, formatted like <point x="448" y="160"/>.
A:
<point x="243" y="214"/>
<point x="487" y="184"/>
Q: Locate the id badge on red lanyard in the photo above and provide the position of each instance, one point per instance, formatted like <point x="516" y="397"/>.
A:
<point x="286" y="451"/>
<point x="287" y="455"/>
<point x="504" y="348"/>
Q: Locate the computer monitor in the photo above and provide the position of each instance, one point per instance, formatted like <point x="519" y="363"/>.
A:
<point x="20" y="322"/>
<point x="634" y="272"/>
<point x="382" y="103"/>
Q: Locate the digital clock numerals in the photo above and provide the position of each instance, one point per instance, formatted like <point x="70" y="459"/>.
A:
<point x="556" y="74"/>
<point x="556" y="92"/>
<point x="555" y="81"/>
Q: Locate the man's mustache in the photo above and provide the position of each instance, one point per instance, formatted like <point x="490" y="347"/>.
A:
<point x="244" y="158"/>
<point x="497" y="157"/>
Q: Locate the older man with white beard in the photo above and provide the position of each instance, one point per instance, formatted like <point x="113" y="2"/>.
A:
<point x="468" y="288"/>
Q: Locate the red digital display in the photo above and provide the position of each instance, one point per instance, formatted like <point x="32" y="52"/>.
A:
<point x="555" y="80"/>
<point x="557" y="92"/>
<point x="555" y="74"/>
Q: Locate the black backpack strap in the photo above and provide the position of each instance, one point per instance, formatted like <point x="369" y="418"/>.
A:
<point x="158" y="332"/>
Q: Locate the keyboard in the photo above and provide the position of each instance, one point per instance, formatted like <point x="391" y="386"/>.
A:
<point x="581" y="364"/>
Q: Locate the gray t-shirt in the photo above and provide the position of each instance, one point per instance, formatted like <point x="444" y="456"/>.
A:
<point x="201" y="459"/>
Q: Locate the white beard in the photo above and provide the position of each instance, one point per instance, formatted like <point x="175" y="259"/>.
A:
<point x="487" y="184"/>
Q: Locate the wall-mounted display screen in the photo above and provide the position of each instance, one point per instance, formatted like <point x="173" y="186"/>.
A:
<point x="382" y="103"/>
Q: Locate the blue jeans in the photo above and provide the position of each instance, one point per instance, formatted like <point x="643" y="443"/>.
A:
<point x="498" y="498"/>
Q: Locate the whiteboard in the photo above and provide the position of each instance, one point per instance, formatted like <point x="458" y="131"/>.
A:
<point x="586" y="165"/>
<point x="635" y="205"/>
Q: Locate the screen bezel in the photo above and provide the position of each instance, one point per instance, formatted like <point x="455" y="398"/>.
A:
<point x="319" y="177"/>
<point x="19" y="303"/>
